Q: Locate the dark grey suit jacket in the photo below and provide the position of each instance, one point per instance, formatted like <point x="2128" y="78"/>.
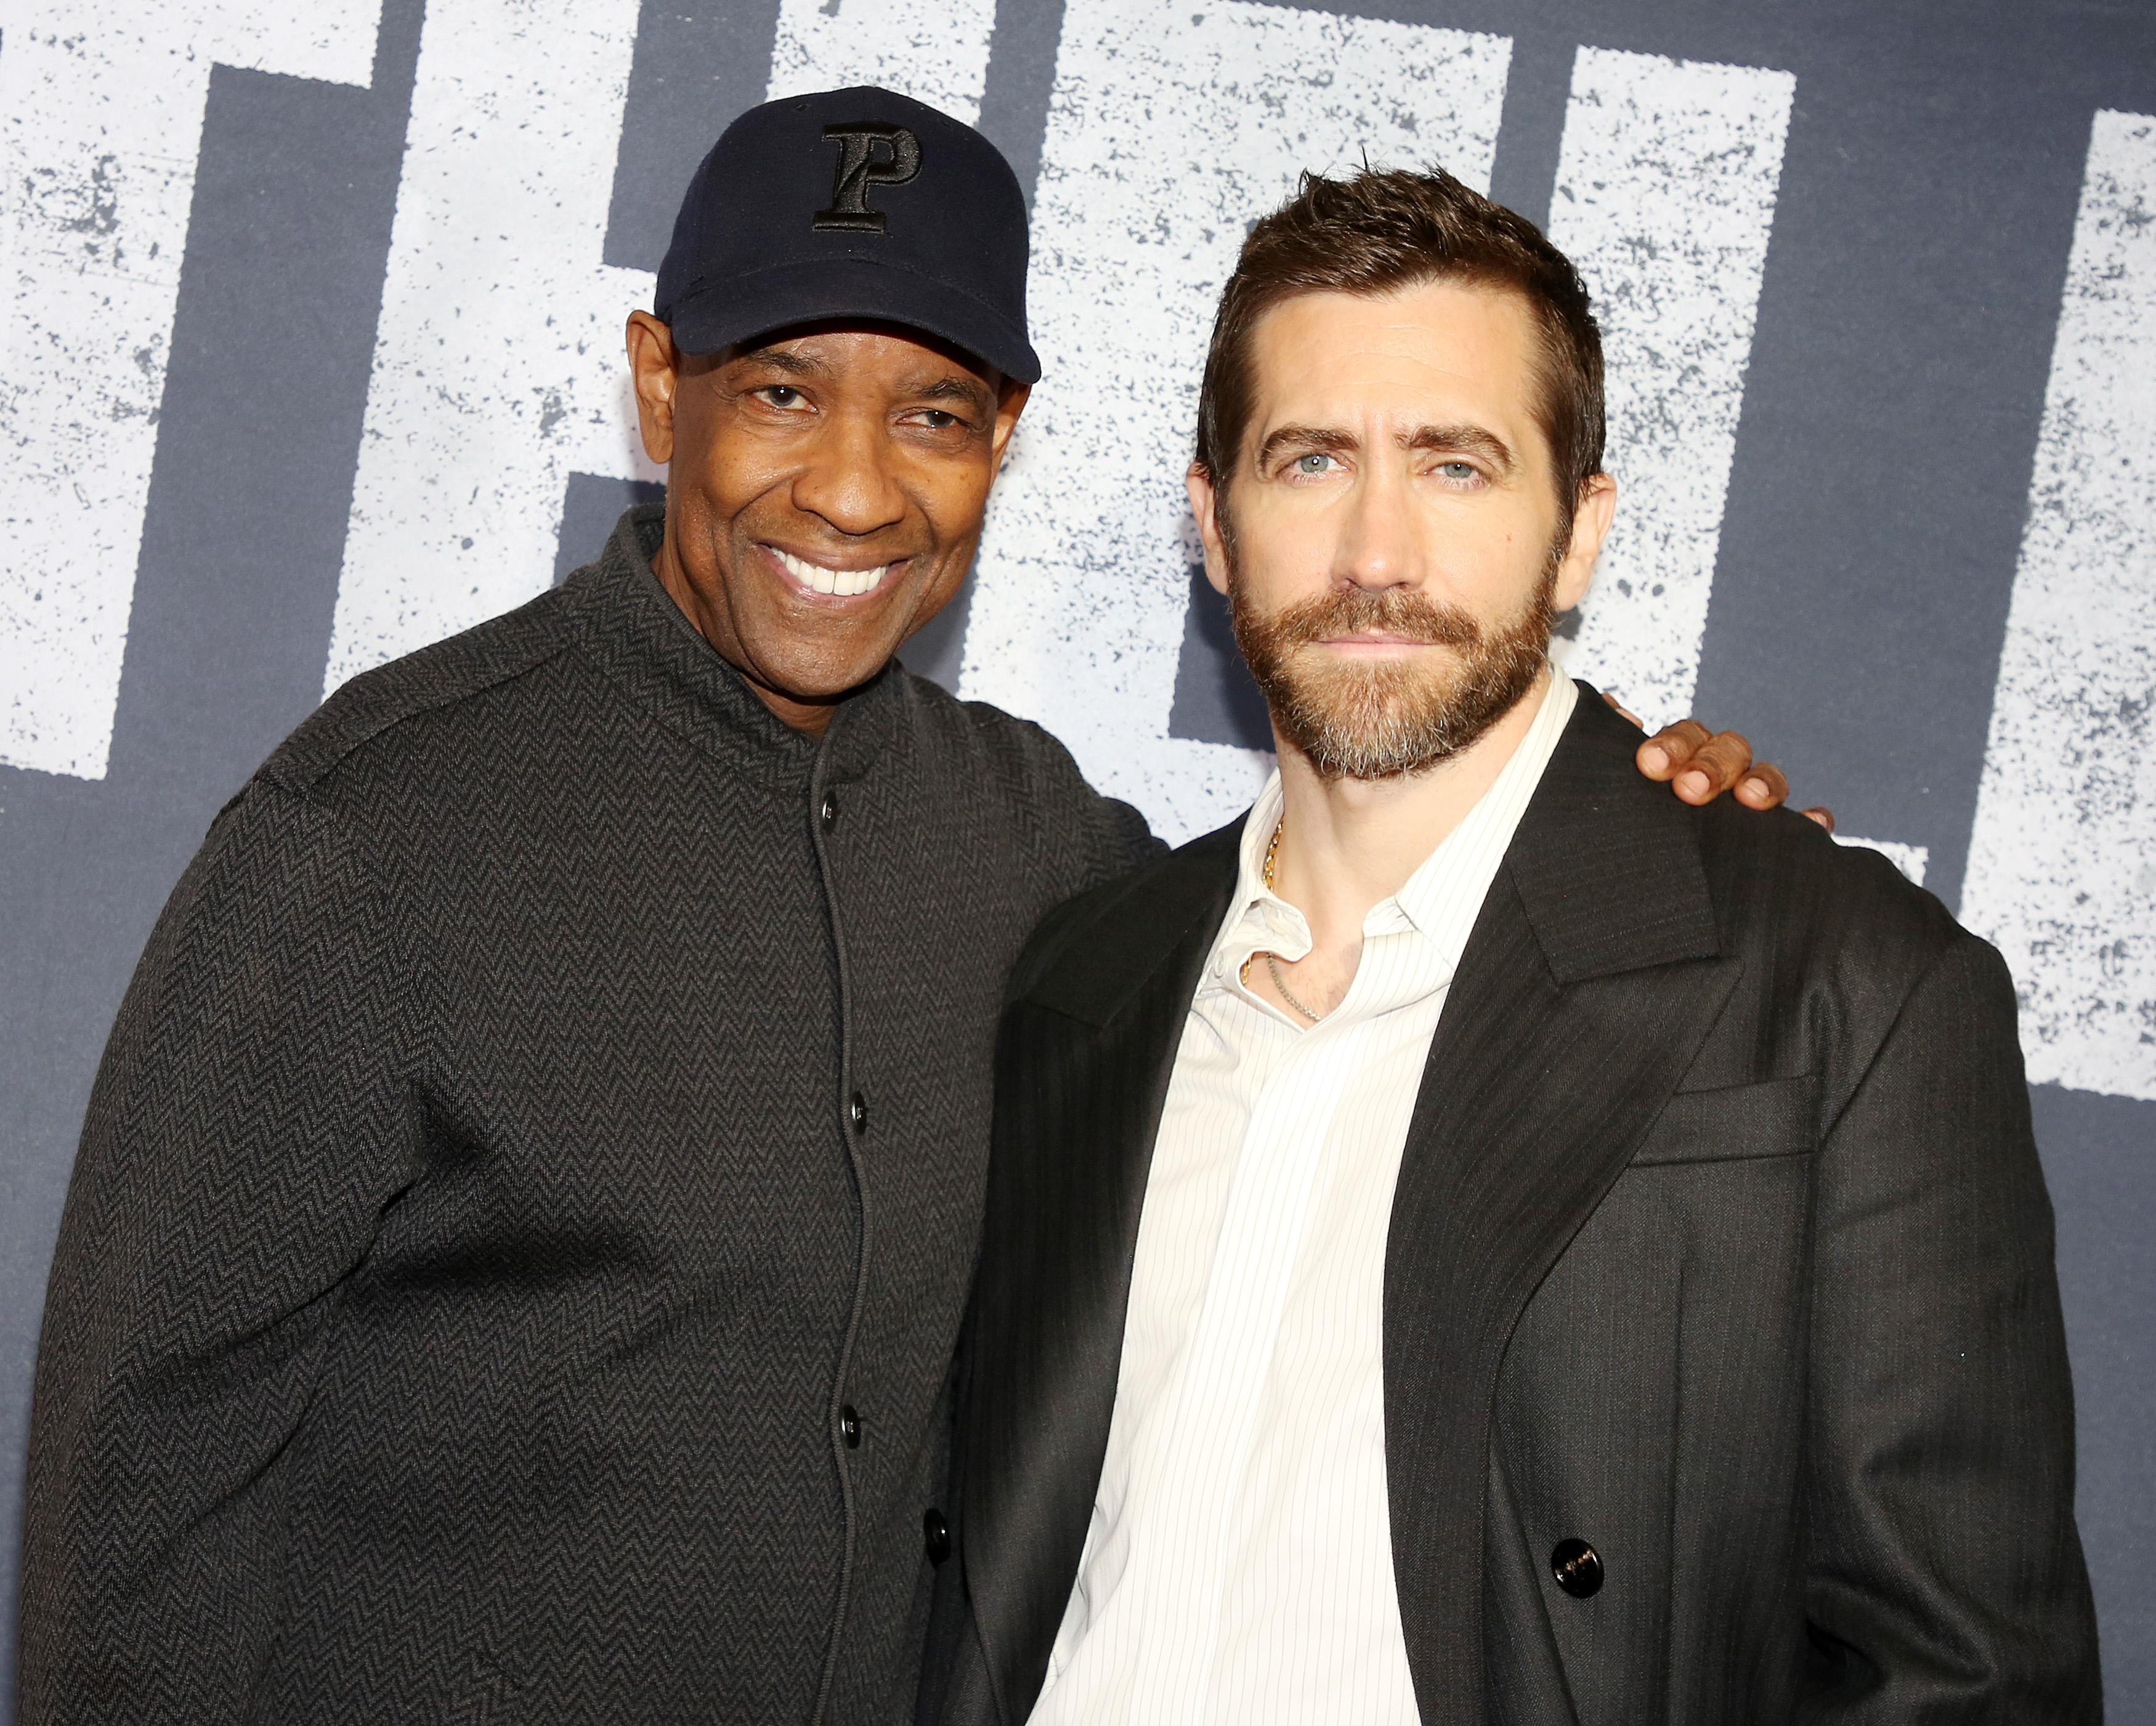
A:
<point x="1720" y="1242"/>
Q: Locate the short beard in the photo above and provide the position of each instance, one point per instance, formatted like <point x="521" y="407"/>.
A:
<point x="1380" y="721"/>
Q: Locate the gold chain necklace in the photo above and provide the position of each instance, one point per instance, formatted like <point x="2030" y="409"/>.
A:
<point x="1272" y="963"/>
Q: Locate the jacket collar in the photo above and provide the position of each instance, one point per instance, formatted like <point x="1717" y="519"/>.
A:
<point x="1150" y="916"/>
<point x="1608" y="876"/>
<point x="638" y="638"/>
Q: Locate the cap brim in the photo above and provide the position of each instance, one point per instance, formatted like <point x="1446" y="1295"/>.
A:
<point x="815" y="289"/>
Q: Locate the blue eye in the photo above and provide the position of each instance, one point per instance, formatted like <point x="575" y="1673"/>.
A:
<point x="1461" y="471"/>
<point x="1313" y="464"/>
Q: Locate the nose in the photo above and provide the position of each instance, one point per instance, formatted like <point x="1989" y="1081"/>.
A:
<point x="847" y="479"/>
<point x="1377" y="548"/>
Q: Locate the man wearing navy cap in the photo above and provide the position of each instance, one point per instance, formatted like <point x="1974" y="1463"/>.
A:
<point x="527" y="1202"/>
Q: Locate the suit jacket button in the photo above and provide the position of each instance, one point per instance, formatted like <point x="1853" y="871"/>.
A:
<point x="849" y="1427"/>
<point x="828" y="814"/>
<point x="935" y="1535"/>
<point x="857" y="1114"/>
<point x="1578" y="1567"/>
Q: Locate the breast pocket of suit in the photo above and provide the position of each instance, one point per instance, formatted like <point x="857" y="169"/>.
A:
<point x="1774" y="1117"/>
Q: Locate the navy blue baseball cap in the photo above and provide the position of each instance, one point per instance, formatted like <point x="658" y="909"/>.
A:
<point x="851" y="203"/>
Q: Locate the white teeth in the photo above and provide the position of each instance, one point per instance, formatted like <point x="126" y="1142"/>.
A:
<point x="844" y="584"/>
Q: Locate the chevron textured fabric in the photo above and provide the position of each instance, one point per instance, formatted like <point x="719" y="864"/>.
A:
<point x="475" y="1249"/>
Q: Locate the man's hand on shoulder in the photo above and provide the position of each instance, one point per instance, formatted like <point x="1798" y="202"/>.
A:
<point x="1700" y="765"/>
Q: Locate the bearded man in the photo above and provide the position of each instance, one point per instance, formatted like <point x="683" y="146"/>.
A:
<point x="1476" y="1241"/>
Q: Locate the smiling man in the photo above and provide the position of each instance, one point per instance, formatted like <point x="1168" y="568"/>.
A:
<point x="528" y="1204"/>
<point x="1478" y="1241"/>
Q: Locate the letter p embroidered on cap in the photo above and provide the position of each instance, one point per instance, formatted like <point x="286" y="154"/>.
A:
<point x="871" y="153"/>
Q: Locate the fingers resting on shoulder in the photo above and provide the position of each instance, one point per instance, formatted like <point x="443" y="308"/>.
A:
<point x="1700" y="765"/>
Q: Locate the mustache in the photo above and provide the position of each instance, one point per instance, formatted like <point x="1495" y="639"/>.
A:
<point x="1392" y="611"/>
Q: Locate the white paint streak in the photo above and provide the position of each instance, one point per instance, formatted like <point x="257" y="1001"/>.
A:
<point x="936" y="51"/>
<point x="1166" y="138"/>
<point x="1912" y="861"/>
<point x="2059" y="870"/>
<point x="1666" y="187"/>
<point x="499" y="365"/>
<point x="101" y="109"/>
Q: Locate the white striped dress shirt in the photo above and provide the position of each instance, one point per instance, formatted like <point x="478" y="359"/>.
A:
<point x="1239" y="1567"/>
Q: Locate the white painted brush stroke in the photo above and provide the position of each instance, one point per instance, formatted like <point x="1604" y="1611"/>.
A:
<point x="499" y="365"/>
<point x="101" y="110"/>
<point x="1665" y="187"/>
<point x="1165" y="140"/>
<point x="1912" y="861"/>
<point x="936" y="51"/>
<point x="2060" y="874"/>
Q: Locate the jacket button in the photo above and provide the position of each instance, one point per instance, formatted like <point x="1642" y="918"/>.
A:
<point x="828" y="814"/>
<point x="935" y="1535"/>
<point x="1577" y="1567"/>
<point x="857" y="1114"/>
<point x="850" y="1427"/>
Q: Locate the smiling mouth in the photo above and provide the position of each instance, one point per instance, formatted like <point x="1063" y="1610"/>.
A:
<point x="842" y="583"/>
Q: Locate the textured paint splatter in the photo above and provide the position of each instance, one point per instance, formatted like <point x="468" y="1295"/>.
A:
<point x="1666" y="187"/>
<point x="499" y="367"/>
<point x="102" y="110"/>
<point x="2066" y="817"/>
<point x="936" y="51"/>
<point x="1167" y="135"/>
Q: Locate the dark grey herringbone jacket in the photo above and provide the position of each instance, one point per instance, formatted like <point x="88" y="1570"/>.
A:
<point x="475" y="1246"/>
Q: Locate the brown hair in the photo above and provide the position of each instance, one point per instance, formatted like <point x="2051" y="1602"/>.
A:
<point x="1381" y="231"/>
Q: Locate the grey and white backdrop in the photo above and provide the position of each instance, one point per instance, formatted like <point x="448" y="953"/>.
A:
<point x="312" y="355"/>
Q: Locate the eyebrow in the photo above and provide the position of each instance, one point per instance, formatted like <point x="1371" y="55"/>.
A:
<point x="1304" y="438"/>
<point x="955" y="388"/>
<point x="1469" y="439"/>
<point x="782" y="359"/>
<point x="950" y="387"/>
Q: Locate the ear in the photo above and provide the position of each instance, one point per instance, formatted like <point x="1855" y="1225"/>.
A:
<point x="1010" y="403"/>
<point x="656" y="372"/>
<point x="1590" y="523"/>
<point x="1205" y="504"/>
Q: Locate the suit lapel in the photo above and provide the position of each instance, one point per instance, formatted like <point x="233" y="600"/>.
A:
<point x="1084" y="1057"/>
<point x="1592" y="976"/>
